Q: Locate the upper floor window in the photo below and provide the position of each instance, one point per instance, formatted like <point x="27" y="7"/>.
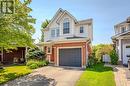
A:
<point x="66" y="26"/>
<point x="57" y="32"/>
<point x="129" y="27"/>
<point x="52" y="33"/>
<point x="123" y="29"/>
<point x="81" y="29"/>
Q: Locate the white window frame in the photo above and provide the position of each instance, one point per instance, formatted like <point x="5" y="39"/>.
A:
<point x="66" y="21"/>
<point x="125" y="29"/>
<point x="81" y="27"/>
<point x="53" y="34"/>
<point x="57" y="32"/>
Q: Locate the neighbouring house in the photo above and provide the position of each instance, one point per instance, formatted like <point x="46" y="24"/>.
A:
<point x="121" y="40"/>
<point x="14" y="55"/>
<point x="67" y="41"/>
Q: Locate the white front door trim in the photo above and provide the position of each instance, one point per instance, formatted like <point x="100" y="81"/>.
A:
<point x="125" y="58"/>
<point x="120" y="51"/>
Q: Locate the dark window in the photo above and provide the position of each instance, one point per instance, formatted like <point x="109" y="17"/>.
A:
<point x="49" y="50"/>
<point x="66" y="27"/>
<point x="57" y="32"/>
<point x="127" y="46"/>
<point x="123" y="29"/>
<point x="52" y="33"/>
<point x="81" y="29"/>
<point x="129" y="27"/>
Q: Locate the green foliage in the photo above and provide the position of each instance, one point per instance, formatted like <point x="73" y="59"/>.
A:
<point x="101" y="49"/>
<point x="92" y="60"/>
<point x="114" y="57"/>
<point x="16" y="29"/>
<point x="35" y="53"/>
<point x="33" y="64"/>
<point x="98" y="75"/>
<point x="44" y="25"/>
<point x="12" y="72"/>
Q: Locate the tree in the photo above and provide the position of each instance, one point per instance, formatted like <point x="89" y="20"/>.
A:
<point x="44" y="25"/>
<point x="102" y="49"/>
<point x="35" y="53"/>
<point x="114" y="57"/>
<point x="16" y="29"/>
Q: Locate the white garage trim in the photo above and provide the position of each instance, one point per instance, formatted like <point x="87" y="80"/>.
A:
<point x="68" y="48"/>
<point x="124" y="53"/>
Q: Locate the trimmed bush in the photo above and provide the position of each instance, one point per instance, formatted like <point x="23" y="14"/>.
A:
<point x="33" y="64"/>
<point x="114" y="57"/>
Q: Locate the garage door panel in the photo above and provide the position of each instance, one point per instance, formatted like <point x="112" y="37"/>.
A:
<point x="126" y="53"/>
<point x="70" y="57"/>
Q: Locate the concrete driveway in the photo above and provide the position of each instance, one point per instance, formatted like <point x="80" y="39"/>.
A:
<point x="49" y="76"/>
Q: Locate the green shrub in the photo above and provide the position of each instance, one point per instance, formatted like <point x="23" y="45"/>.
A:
<point x="47" y="62"/>
<point x="33" y="64"/>
<point x="35" y="53"/>
<point x="41" y="63"/>
<point x="114" y="57"/>
<point x="92" y="60"/>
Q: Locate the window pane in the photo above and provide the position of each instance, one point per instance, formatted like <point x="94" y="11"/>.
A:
<point x="129" y="27"/>
<point x="57" y="32"/>
<point x="49" y="50"/>
<point x="66" y="27"/>
<point x="81" y="29"/>
<point x="123" y="29"/>
<point x="52" y="33"/>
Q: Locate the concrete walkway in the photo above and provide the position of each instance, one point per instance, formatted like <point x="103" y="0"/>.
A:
<point x="122" y="75"/>
<point x="49" y="76"/>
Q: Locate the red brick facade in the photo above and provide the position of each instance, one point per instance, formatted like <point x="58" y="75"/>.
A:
<point x="85" y="50"/>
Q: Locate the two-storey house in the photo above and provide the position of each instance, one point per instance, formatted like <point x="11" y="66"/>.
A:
<point x="67" y="41"/>
<point x="121" y="40"/>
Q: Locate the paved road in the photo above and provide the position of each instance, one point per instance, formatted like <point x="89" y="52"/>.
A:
<point x="49" y="76"/>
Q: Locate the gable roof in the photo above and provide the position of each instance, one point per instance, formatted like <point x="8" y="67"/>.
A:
<point x="66" y="12"/>
<point x="63" y="12"/>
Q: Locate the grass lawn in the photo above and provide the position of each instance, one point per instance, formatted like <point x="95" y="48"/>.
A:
<point x="97" y="76"/>
<point x="12" y="72"/>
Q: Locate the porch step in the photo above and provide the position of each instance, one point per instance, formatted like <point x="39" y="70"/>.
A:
<point x="51" y="64"/>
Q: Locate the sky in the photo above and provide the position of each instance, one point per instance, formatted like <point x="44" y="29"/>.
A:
<point x="105" y="14"/>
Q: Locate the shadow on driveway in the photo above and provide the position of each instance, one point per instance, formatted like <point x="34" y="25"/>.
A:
<point x="32" y="80"/>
